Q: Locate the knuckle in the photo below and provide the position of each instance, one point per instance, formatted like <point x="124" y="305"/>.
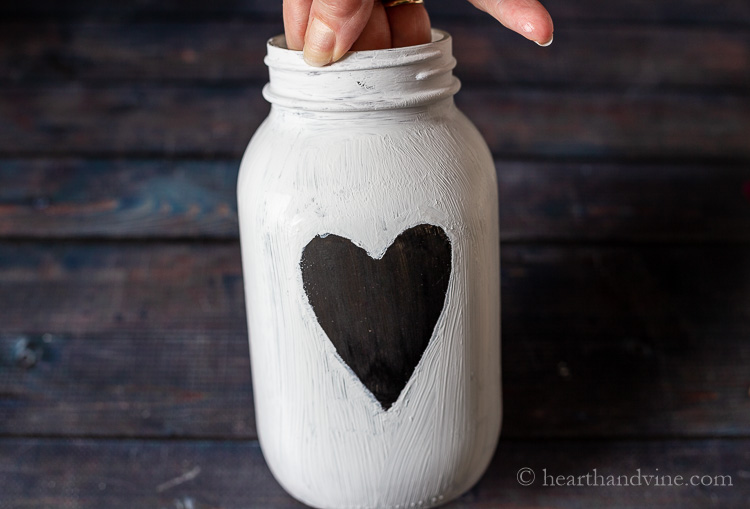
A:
<point x="340" y="9"/>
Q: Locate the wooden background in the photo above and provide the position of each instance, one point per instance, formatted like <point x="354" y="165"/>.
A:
<point x="623" y="157"/>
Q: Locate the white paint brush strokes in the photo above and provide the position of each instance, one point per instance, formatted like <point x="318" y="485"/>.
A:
<point x="365" y="149"/>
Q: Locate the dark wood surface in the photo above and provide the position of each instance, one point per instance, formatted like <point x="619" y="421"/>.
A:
<point x="623" y="161"/>
<point x="149" y="339"/>
<point x="144" y="120"/>
<point x="694" y="58"/>
<point x="735" y="13"/>
<point x="539" y="200"/>
<point x="123" y="474"/>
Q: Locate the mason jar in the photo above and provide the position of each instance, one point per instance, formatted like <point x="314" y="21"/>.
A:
<point x="369" y="229"/>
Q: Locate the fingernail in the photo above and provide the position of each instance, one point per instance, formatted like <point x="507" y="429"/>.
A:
<point x="546" y="43"/>
<point x="320" y="41"/>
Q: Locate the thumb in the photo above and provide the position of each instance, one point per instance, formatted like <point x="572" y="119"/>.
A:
<point x="333" y="27"/>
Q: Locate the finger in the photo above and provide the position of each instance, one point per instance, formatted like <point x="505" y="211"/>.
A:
<point x="410" y="25"/>
<point x="296" y="17"/>
<point x="333" y="27"/>
<point x="527" y="17"/>
<point x="377" y="32"/>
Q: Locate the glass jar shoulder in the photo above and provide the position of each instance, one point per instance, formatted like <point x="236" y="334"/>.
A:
<point x="399" y="158"/>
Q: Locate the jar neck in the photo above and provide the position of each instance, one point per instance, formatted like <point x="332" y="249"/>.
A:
<point x="364" y="80"/>
<point x="345" y="119"/>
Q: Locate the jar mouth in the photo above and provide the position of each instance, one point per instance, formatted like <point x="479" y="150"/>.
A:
<point x="280" y="57"/>
<point x="363" y="80"/>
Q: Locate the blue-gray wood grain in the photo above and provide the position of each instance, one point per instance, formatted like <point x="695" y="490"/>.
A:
<point x="149" y="339"/>
<point x="539" y="200"/>
<point x="122" y="474"/>
<point x="623" y="155"/>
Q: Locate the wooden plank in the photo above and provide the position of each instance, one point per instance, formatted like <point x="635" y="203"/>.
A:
<point x="132" y="383"/>
<point x="149" y="340"/>
<point x="732" y="13"/>
<point x="623" y="58"/>
<point x="123" y="340"/>
<point x="172" y="121"/>
<point x="642" y="328"/>
<point x="622" y="202"/>
<point x="92" y="474"/>
<point x="615" y="57"/>
<point x="539" y="201"/>
<point x="610" y="125"/>
<point x="209" y="51"/>
<point x="728" y="12"/>
<point x="51" y="198"/>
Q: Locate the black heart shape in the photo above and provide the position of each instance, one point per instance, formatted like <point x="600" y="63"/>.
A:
<point x="379" y="314"/>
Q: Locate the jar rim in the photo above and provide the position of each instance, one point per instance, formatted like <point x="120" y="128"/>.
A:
<point x="370" y="80"/>
<point x="280" y="57"/>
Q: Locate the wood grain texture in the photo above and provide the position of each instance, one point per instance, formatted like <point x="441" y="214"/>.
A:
<point x="732" y="12"/>
<point x="189" y="120"/>
<point x="618" y="58"/>
<point x="150" y="339"/>
<point x="129" y="120"/>
<point x="145" y="107"/>
<point x="123" y="198"/>
<point x="121" y="340"/>
<point x="611" y="125"/>
<point x="86" y="474"/>
<point x="627" y="58"/>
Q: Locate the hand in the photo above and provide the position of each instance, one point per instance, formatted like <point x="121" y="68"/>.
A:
<point x="326" y="29"/>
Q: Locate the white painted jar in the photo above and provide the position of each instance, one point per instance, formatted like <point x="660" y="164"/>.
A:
<point x="369" y="230"/>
